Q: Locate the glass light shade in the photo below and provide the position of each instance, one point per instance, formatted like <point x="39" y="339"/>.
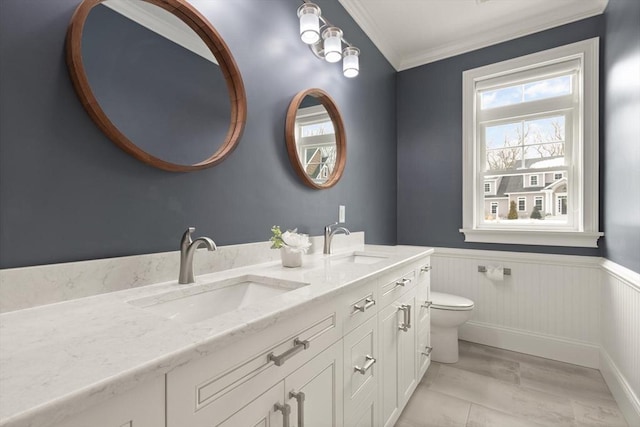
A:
<point x="332" y="37"/>
<point x="309" y="14"/>
<point x="351" y="62"/>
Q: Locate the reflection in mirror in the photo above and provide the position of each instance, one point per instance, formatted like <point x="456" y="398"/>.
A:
<point x="318" y="138"/>
<point x="315" y="139"/>
<point x="169" y="97"/>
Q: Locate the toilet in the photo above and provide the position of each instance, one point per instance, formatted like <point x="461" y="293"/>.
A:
<point x="448" y="312"/>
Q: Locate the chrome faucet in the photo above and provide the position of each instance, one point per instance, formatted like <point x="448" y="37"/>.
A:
<point x="329" y="231"/>
<point x="187" y="250"/>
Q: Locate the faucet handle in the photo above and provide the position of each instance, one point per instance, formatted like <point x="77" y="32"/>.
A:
<point x="186" y="237"/>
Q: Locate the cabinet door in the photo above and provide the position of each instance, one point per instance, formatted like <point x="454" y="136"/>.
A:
<point x="398" y="356"/>
<point x="360" y="370"/>
<point x="262" y="411"/>
<point x="407" y="351"/>
<point x="314" y="391"/>
<point x="366" y="414"/>
<point x="141" y="407"/>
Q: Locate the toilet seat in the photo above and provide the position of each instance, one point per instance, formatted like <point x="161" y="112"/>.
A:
<point x="443" y="301"/>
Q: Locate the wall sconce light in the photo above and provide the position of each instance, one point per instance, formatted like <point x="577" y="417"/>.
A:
<point x="326" y="40"/>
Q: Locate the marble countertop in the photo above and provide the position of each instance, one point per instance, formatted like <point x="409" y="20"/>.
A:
<point x="59" y="359"/>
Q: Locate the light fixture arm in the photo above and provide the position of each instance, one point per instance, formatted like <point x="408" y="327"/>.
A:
<point x="326" y="40"/>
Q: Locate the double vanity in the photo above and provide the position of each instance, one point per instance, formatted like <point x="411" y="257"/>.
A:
<point x="341" y="341"/>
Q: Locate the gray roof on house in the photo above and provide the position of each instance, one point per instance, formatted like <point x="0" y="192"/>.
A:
<point x="513" y="184"/>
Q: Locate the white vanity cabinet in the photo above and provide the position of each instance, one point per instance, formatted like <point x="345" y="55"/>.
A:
<point x="351" y="361"/>
<point x="140" y="407"/>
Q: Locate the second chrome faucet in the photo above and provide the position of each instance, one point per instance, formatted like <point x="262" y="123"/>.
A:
<point x="187" y="250"/>
<point x="329" y="231"/>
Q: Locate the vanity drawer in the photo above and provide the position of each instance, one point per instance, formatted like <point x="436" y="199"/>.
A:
<point x="359" y="305"/>
<point x="203" y="388"/>
<point x="395" y="286"/>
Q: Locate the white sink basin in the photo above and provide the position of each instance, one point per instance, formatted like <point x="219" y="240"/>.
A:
<point x="359" y="258"/>
<point x="196" y="303"/>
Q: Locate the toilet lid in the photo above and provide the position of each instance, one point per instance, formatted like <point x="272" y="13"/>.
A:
<point x="450" y="302"/>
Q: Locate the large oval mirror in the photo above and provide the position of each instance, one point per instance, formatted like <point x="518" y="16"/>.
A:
<point x="158" y="80"/>
<point x="315" y="138"/>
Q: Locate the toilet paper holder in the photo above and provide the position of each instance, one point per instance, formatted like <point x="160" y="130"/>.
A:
<point x="506" y="271"/>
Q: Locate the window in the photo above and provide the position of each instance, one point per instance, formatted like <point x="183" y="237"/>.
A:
<point x="487" y="187"/>
<point x="494" y="208"/>
<point x="537" y="203"/>
<point x="530" y="117"/>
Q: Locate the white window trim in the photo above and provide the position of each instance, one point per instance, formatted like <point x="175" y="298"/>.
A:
<point x="524" y="204"/>
<point x="485" y="188"/>
<point x="537" y="178"/>
<point x="585" y="233"/>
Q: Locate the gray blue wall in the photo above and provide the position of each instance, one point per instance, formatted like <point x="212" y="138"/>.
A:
<point x="67" y="193"/>
<point x="430" y="140"/>
<point x="621" y="190"/>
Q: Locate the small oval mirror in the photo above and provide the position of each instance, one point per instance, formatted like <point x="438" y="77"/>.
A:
<point x="158" y="80"/>
<point x="315" y="137"/>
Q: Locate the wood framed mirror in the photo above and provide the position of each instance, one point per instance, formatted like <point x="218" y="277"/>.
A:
<point x="316" y="141"/>
<point x="158" y="80"/>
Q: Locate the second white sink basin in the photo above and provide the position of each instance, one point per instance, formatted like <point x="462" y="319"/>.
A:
<point x="196" y="303"/>
<point x="359" y="258"/>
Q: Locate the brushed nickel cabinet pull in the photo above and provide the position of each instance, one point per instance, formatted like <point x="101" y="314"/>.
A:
<point x="426" y="268"/>
<point x="370" y="360"/>
<point x="406" y="311"/>
<point x="403" y="282"/>
<point x="368" y="303"/>
<point x="299" y="396"/>
<point x="298" y="346"/>
<point x="286" y="412"/>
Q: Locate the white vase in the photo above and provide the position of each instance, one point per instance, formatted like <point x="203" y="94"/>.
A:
<point x="290" y="258"/>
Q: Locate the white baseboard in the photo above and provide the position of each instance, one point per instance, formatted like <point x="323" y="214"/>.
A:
<point x="549" y="347"/>
<point x="626" y="399"/>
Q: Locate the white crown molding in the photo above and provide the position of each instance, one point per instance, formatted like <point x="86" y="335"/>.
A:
<point x="368" y="25"/>
<point x="163" y="23"/>
<point x="498" y="35"/>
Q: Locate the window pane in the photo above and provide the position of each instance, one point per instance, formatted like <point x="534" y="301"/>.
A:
<point x="550" y="197"/>
<point x="541" y="89"/>
<point x="324" y="128"/>
<point x="503" y="144"/>
<point x="548" y="88"/>
<point x="501" y="97"/>
<point x="549" y="129"/>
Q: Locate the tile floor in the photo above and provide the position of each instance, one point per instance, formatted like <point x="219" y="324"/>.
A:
<point x="490" y="387"/>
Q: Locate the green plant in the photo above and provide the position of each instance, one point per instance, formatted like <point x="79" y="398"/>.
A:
<point x="535" y="214"/>
<point x="513" y="211"/>
<point x="276" y="238"/>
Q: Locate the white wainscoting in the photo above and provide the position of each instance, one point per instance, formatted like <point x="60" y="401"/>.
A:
<point x="549" y="306"/>
<point x="580" y="310"/>
<point x="620" y="355"/>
